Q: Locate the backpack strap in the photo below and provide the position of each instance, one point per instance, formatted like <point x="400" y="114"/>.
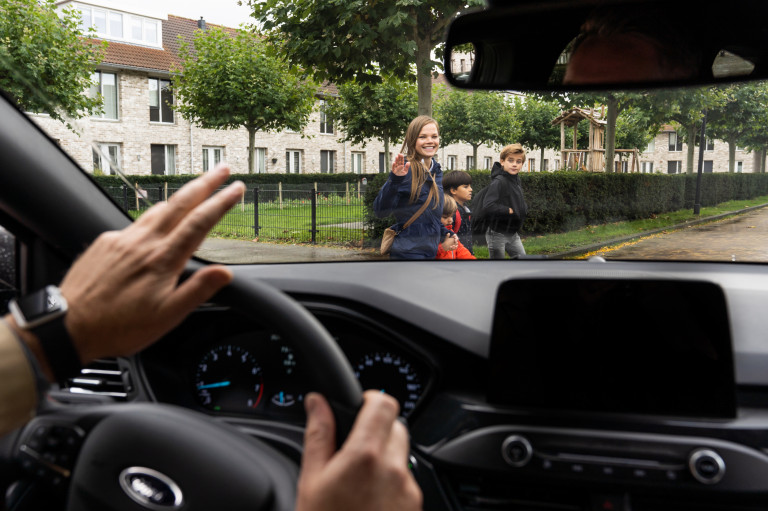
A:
<point x="420" y="210"/>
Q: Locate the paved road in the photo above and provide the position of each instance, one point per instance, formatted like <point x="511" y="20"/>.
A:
<point x="740" y="238"/>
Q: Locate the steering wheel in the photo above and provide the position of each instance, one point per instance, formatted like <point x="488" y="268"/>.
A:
<point x="160" y="457"/>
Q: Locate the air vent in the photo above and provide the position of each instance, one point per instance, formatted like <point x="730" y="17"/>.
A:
<point x="104" y="377"/>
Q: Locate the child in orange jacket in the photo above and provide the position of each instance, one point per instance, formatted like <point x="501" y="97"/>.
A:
<point x="460" y="252"/>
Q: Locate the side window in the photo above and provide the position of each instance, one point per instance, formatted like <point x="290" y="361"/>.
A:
<point x="106" y="85"/>
<point x="8" y="278"/>
<point x="160" y="101"/>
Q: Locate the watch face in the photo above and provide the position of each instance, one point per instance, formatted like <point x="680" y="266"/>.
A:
<point x="41" y="304"/>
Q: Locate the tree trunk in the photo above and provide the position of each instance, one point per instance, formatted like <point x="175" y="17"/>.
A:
<point x="424" y="76"/>
<point x="474" y="155"/>
<point x="387" y="163"/>
<point x="610" y="133"/>
<point x="731" y="154"/>
<point x="541" y="160"/>
<point x="762" y="159"/>
<point x="251" y="149"/>
<point x="691" y="146"/>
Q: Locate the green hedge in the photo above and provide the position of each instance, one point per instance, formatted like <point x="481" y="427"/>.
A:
<point x="564" y="201"/>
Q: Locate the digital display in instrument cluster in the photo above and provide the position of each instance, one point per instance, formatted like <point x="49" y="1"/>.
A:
<point x="254" y="372"/>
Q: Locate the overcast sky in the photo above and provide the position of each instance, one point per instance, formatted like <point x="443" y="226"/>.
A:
<point x="220" y="12"/>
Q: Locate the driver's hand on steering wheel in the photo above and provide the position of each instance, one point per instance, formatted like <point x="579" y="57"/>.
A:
<point x="369" y="472"/>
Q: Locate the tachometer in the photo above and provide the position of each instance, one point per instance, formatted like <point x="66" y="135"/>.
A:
<point x="228" y="378"/>
<point x="391" y="374"/>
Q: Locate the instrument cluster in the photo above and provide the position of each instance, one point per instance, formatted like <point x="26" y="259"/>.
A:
<point x="222" y="364"/>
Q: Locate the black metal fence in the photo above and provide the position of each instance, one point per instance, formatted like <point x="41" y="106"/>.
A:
<point x="327" y="213"/>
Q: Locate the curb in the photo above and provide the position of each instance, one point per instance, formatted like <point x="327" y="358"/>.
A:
<point x="624" y="239"/>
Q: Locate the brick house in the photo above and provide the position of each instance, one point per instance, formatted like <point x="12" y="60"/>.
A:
<point x="145" y="136"/>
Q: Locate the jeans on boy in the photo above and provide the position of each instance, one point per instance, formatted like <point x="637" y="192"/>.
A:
<point x="498" y="242"/>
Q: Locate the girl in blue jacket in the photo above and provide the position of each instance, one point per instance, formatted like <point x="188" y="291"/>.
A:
<point x="407" y="189"/>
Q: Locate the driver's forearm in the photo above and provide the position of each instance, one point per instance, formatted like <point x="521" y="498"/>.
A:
<point x="18" y="393"/>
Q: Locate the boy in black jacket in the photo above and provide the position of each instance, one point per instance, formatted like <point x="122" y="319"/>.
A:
<point x="458" y="184"/>
<point x="505" y="205"/>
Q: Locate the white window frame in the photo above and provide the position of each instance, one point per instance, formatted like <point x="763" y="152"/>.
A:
<point x="678" y="144"/>
<point x="487" y="163"/>
<point x="739" y="168"/>
<point x="646" y="167"/>
<point x="470" y="162"/>
<point x="212" y="156"/>
<point x="358" y="162"/>
<point x="293" y="161"/>
<point x="169" y="159"/>
<point x="98" y="88"/>
<point x="159" y="92"/>
<point x="112" y="150"/>
<point x="651" y="146"/>
<point x="260" y="165"/>
<point x="119" y="25"/>
<point x="450" y="164"/>
<point x="531" y="164"/>
<point x="327" y="160"/>
<point x="678" y="166"/>
<point x="326" y="125"/>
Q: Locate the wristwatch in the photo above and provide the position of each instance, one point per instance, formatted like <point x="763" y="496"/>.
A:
<point x="43" y="313"/>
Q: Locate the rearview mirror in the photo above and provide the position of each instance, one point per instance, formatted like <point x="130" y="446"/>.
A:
<point x="589" y="44"/>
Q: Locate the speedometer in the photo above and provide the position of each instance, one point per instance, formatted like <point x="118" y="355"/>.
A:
<point x="229" y="379"/>
<point x="391" y="374"/>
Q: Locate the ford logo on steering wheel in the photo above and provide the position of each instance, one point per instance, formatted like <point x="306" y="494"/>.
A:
<point x="151" y="489"/>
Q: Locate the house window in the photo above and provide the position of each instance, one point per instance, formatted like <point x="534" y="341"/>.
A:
<point x="211" y="157"/>
<point x="487" y="162"/>
<point x="651" y="146"/>
<point x="106" y="158"/>
<point x="163" y="159"/>
<point x="646" y="167"/>
<point x="292" y="162"/>
<point x="382" y="168"/>
<point x="739" y="166"/>
<point x="451" y="163"/>
<point x="621" y="166"/>
<point x="710" y="145"/>
<point x="675" y="142"/>
<point x="260" y="165"/>
<point x="470" y="162"/>
<point x="144" y="30"/>
<point x="326" y="125"/>
<point x="327" y="160"/>
<point x="532" y="165"/>
<point x="357" y="163"/>
<point x="708" y="166"/>
<point x="106" y="85"/>
<point x="557" y="164"/>
<point x="544" y="165"/>
<point x="106" y="23"/>
<point x="160" y="101"/>
<point x="674" y="167"/>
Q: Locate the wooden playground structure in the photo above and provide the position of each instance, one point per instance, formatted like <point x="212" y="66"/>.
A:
<point x="591" y="159"/>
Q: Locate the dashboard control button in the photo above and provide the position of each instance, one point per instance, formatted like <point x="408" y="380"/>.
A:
<point x="706" y="466"/>
<point x="516" y="450"/>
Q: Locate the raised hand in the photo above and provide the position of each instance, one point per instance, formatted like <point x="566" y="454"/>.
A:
<point x="400" y="167"/>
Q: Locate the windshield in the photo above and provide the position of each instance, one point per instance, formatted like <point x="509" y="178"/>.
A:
<point x="343" y="126"/>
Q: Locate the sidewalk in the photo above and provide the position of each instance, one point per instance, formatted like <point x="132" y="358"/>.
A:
<point x="245" y="252"/>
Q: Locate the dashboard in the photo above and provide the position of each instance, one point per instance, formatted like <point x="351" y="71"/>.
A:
<point x="478" y="441"/>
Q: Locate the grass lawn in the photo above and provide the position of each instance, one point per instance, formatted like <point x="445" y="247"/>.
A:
<point x="561" y="242"/>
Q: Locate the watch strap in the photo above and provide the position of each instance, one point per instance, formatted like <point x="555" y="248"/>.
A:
<point x="58" y="348"/>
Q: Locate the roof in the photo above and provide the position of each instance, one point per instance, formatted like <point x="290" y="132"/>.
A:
<point x="572" y="117"/>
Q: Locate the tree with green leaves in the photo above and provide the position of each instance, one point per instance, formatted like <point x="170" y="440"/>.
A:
<point x="46" y="61"/>
<point x="743" y="109"/>
<point x="474" y="117"/>
<point x="533" y="116"/>
<point x="685" y="107"/>
<point x="228" y="81"/>
<point x="341" y="40"/>
<point x="368" y="110"/>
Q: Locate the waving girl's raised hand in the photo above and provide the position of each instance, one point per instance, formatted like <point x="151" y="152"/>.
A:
<point x="399" y="166"/>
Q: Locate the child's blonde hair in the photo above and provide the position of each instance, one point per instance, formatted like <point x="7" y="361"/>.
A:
<point x="449" y="207"/>
<point x="512" y="149"/>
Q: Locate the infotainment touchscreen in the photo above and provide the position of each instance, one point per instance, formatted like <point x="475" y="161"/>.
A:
<point x="626" y="346"/>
